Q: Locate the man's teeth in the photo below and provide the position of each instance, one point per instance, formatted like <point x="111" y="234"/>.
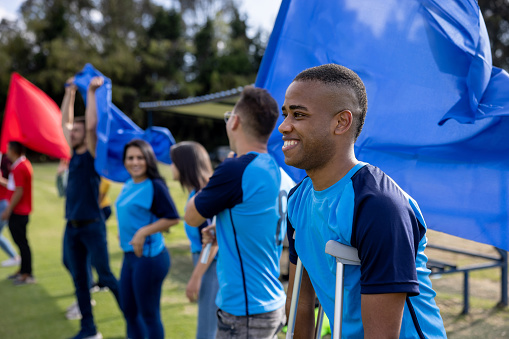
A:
<point x="290" y="143"/>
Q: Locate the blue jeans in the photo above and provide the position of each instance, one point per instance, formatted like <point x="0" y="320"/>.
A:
<point x="256" y="326"/>
<point x="207" y="309"/>
<point x="5" y="244"/>
<point x="141" y="281"/>
<point x="68" y="265"/>
<point x="87" y="244"/>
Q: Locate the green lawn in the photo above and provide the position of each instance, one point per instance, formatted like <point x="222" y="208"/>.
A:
<point x="38" y="311"/>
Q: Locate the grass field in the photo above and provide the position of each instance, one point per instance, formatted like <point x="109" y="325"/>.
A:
<point x="38" y="311"/>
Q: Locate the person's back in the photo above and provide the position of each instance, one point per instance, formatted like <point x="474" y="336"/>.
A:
<point x="252" y="213"/>
<point x="244" y="193"/>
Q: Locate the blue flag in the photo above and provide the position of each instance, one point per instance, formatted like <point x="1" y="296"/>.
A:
<point x="437" y="118"/>
<point x="115" y="129"/>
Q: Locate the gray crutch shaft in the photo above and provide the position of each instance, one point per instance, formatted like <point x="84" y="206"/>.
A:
<point x="295" y="300"/>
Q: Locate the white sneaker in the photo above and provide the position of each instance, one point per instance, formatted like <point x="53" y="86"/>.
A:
<point x="73" y="311"/>
<point x="73" y="314"/>
<point x="98" y="335"/>
<point x="71" y="306"/>
<point x="15" y="261"/>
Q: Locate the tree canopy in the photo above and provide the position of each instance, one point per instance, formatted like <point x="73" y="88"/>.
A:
<point x="150" y="52"/>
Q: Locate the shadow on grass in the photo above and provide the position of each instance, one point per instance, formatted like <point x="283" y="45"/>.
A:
<point x="479" y="323"/>
<point x="181" y="263"/>
<point x="37" y="314"/>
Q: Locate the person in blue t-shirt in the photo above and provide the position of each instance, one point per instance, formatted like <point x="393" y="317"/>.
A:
<point x="144" y="210"/>
<point x="244" y="195"/>
<point x="192" y="168"/>
<point x="85" y="233"/>
<point x="389" y="295"/>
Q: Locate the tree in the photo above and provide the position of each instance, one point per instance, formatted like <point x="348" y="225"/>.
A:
<point x="496" y="16"/>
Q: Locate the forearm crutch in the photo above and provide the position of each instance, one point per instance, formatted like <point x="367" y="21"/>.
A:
<point x="345" y="255"/>
<point x="295" y="300"/>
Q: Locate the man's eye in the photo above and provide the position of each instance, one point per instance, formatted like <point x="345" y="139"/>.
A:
<point x="298" y="114"/>
<point x="284" y="115"/>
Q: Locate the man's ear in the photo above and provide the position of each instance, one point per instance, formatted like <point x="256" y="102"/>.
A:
<point x="235" y="122"/>
<point x="343" y="122"/>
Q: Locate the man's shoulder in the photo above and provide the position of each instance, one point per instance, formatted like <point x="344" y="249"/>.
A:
<point x="300" y="187"/>
<point x="84" y="155"/>
<point x="237" y="163"/>
<point x="377" y="189"/>
<point x="24" y="166"/>
<point x="28" y="165"/>
<point x="233" y="168"/>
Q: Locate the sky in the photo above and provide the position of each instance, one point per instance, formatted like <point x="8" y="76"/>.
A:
<point x="260" y="13"/>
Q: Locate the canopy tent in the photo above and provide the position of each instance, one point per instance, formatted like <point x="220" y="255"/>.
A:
<point x="423" y="62"/>
<point x="209" y="106"/>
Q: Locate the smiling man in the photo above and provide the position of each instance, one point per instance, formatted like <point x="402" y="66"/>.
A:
<point x="389" y="295"/>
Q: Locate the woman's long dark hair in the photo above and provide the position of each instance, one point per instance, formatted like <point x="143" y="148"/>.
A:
<point x="193" y="164"/>
<point x="148" y="154"/>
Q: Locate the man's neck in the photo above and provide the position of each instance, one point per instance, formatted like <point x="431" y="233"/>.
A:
<point x="333" y="171"/>
<point x="80" y="149"/>
<point x="251" y="148"/>
<point x="245" y="146"/>
<point x="18" y="159"/>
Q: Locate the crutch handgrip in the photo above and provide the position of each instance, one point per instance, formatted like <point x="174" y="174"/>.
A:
<point x="345" y="254"/>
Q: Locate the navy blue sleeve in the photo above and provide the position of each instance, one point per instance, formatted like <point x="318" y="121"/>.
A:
<point x="386" y="234"/>
<point x="290" y="231"/>
<point x="224" y="189"/>
<point x="291" y="242"/>
<point x="162" y="203"/>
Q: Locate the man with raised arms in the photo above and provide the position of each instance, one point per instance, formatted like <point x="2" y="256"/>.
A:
<point x="85" y="232"/>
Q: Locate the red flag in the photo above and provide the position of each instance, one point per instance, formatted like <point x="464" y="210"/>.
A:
<point x="34" y="119"/>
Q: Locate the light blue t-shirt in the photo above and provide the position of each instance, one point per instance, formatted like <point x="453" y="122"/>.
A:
<point x="140" y="204"/>
<point x="245" y="195"/>
<point x="366" y="209"/>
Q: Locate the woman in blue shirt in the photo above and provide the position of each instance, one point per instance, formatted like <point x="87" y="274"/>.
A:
<point x="192" y="168"/>
<point x="144" y="210"/>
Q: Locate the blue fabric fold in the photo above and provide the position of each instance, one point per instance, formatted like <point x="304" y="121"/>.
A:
<point x="115" y="129"/>
<point x="438" y="110"/>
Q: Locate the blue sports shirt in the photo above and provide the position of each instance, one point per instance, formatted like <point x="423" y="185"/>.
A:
<point x="244" y="194"/>
<point x="366" y="209"/>
<point x="82" y="194"/>
<point x="140" y="204"/>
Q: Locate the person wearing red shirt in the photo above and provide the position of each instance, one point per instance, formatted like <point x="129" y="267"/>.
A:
<point x="19" y="208"/>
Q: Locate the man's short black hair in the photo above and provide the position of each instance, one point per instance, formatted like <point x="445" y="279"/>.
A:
<point x="259" y="110"/>
<point x="340" y="76"/>
<point x="17" y="147"/>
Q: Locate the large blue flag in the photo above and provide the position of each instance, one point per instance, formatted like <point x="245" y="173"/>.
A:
<point x="115" y="129"/>
<point x="437" y="118"/>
